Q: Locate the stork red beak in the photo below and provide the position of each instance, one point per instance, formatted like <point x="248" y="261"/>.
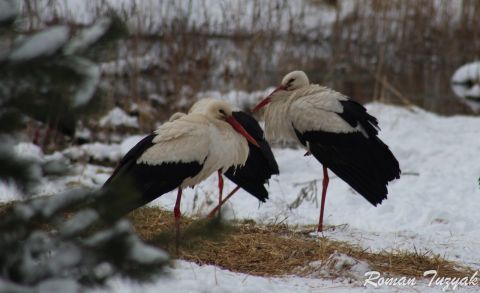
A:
<point x="262" y="104"/>
<point x="267" y="99"/>
<point x="239" y="128"/>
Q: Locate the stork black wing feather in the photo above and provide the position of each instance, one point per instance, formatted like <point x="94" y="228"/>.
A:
<point x="148" y="180"/>
<point x="366" y="164"/>
<point x="354" y="113"/>
<point x="261" y="163"/>
<point x="132" y="155"/>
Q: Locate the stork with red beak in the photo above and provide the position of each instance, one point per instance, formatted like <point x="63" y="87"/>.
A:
<point x="336" y="130"/>
<point x="259" y="167"/>
<point x="182" y="153"/>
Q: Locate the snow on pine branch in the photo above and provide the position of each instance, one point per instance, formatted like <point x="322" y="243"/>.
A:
<point x="59" y="48"/>
<point x="40" y="44"/>
<point x="41" y="249"/>
<point x="9" y="9"/>
<point x="88" y="36"/>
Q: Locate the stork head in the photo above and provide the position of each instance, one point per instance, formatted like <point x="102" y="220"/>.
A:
<point x="222" y="111"/>
<point x="290" y="82"/>
<point x="294" y="80"/>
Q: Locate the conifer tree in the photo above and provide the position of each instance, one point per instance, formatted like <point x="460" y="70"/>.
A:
<point x="58" y="242"/>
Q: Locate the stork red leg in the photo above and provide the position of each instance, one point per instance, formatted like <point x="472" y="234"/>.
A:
<point x="324" y="195"/>
<point x="220" y="189"/>
<point x="212" y="213"/>
<point x="177" y="214"/>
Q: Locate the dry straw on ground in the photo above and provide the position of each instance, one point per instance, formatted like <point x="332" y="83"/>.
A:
<point x="275" y="250"/>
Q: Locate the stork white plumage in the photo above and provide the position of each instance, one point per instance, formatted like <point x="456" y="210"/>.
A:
<point x="182" y="153"/>
<point x="336" y="130"/>
<point x="175" y="116"/>
<point x="258" y="168"/>
<point x="201" y="107"/>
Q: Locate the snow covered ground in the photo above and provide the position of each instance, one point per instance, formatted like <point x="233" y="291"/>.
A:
<point x="433" y="207"/>
<point x="190" y="277"/>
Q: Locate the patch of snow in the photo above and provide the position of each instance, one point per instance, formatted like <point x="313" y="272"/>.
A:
<point x="193" y="278"/>
<point x="83" y="133"/>
<point x="97" y="151"/>
<point x="117" y="117"/>
<point x="92" y="176"/>
<point x="458" y="247"/>
<point x="470" y="71"/>
<point x="466" y="84"/>
<point x="124" y="66"/>
<point x="159" y="99"/>
<point x="79" y="176"/>
<point x="189" y="277"/>
<point x="129" y="142"/>
<point x="338" y="266"/>
<point x="355" y="269"/>
<point x="43" y="43"/>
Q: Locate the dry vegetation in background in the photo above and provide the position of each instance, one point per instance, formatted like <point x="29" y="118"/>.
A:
<point x="398" y="51"/>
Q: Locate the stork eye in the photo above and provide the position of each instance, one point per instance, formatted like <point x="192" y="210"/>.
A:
<point x="291" y="80"/>
<point x="221" y="111"/>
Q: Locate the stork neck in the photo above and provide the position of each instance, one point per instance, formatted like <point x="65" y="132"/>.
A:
<point x="277" y="123"/>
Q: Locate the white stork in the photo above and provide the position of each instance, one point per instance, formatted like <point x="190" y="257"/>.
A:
<point x="259" y="167"/>
<point x="182" y="153"/>
<point x="336" y="130"/>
